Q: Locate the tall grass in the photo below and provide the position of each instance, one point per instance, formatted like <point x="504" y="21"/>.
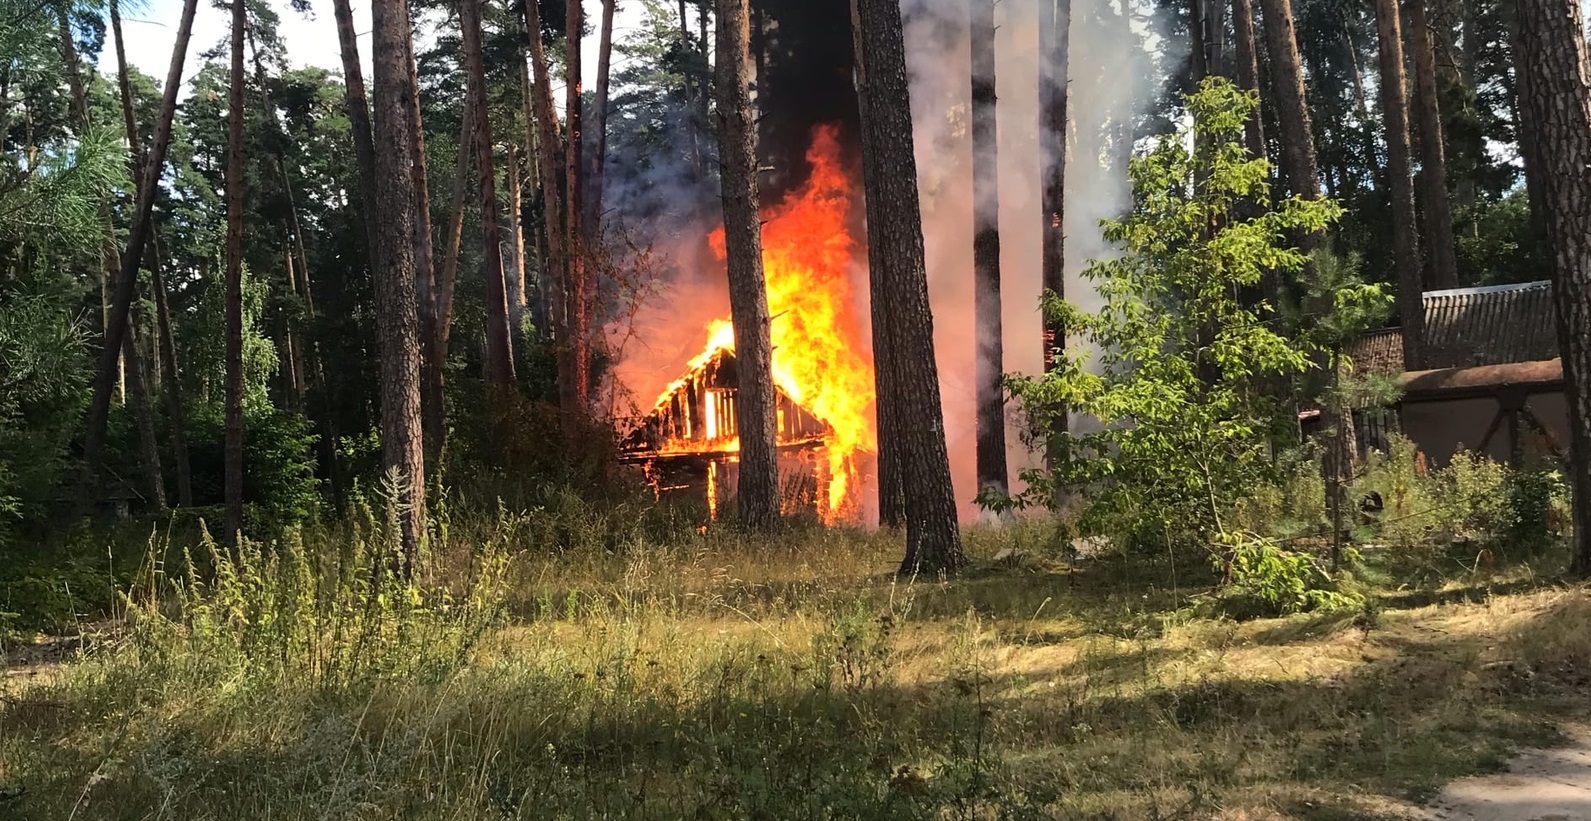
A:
<point x="559" y="662"/>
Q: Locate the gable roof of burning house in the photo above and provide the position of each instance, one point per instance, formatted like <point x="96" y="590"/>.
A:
<point x="1469" y="327"/>
<point x="696" y="415"/>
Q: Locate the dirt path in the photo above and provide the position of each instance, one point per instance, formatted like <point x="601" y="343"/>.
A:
<point x="1540" y="785"/>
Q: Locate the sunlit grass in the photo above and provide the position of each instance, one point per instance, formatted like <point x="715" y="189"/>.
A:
<point x="717" y="676"/>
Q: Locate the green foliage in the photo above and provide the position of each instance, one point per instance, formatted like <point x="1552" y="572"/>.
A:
<point x="1266" y="579"/>
<point x="1292" y="504"/>
<point x="52" y="199"/>
<point x="279" y="481"/>
<point x="327" y="611"/>
<point x="1176" y="383"/>
<point x="1503" y="245"/>
<point x="1440" y="522"/>
<point x="43" y="392"/>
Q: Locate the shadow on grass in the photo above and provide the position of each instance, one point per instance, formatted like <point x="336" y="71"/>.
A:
<point x="756" y="734"/>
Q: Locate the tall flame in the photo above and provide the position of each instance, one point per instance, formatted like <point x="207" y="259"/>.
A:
<point x="807" y="254"/>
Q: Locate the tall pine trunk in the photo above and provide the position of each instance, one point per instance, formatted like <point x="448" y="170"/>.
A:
<point x="1055" y="23"/>
<point x="599" y="148"/>
<point x="1405" y="233"/>
<point x="125" y="287"/>
<point x="515" y="276"/>
<point x="1248" y="73"/>
<point x="580" y="236"/>
<point x="1292" y="106"/>
<point x="176" y="408"/>
<point x="556" y="269"/>
<point x="358" y="108"/>
<point x="234" y="282"/>
<point x="1441" y="261"/>
<point x="904" y="346"/>
<point x="397" y="313"/>
<point x="989" y="367"/>
<point x="165" y="341"/>
<point x="691" y="134"/>
<point x="433" y="406"/>
<point x="455" y="236"/>
<point x="1554" y="63"/>
<point x="757" y="493"/>
<point x="499" y="347"/>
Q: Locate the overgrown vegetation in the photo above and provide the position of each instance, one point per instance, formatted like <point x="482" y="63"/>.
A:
<point x="705" y="676"/>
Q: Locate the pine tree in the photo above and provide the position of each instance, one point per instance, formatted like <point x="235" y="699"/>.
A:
<point x="234" y="280"/>
<point x="138" y="237"/>
<point x="1441" y="262"/>
<point x="499" y="350"/>
<point x="989" y="365"/>
<point x="758" y="490"/>
<point x="1055" y="23"/>
<point x="1400" y="172"/>
<point x="1554" y="62"/>
<point x="397" y="313"/>
<point x="904" y="346"/>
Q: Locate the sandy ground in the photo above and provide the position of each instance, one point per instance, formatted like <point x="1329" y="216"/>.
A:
<point x="1540" y="785"/>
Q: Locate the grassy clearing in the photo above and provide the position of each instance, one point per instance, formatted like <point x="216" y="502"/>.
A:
<point x="716" y="678"/>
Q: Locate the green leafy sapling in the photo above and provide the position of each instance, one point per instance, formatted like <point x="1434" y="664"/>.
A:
<point x="1174" y="378"/>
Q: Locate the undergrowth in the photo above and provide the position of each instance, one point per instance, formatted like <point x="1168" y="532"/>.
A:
<point x="564" y="664"/>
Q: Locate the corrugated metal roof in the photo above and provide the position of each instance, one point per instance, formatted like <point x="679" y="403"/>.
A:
<point x="1468" y="327"/>
<point x="1377" y="352"/>
<point x="1494" y="325"/>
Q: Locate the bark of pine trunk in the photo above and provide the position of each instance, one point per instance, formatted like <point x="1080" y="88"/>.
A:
<point x="234" y="283"/>
<point x="358" y="108"/>
<point x="1535" y="182"/>
<point x="176" y="408"/>
<point x="1055" y="23"/>
<point x="455" y="235"/>
<point x="1441" y="258"/>
<point x="757" y="494"/>
<point x="433" y="405"/>
<point x="989" y="365"/>
<point x="599" y="149"/>
<point x="691" y="134"/>
<point x="1553" y="59"/>
<point x="1198" y="54"/>
<point x="499" y="345"/>
<point x="397" y="313"/>
<point x="1400" y="173"/>
<point x="1248" y="73"/>
<point x="294" y="363"/>
<point x="556" y="269"/>
<point x="137" y="380"/>
<point x="165" y="343"/>
<point x="1287" y="78"/>
<point x="137" y="239"/>
<point x="517" y="299"/>
<point x="905" y="348"/>
<point x="580" y="239"/>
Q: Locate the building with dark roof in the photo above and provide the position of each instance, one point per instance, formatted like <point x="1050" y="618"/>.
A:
<point x="1492" y="382"/>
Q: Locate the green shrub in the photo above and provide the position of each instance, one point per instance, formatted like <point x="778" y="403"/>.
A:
<point x="1473" y="503"/>
<point x="1264" y="579"/>
<point x="278" y="462"/>
<point x="328" y="610"/>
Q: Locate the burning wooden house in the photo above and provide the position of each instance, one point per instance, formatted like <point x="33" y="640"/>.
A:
<point x="690" y="442"/>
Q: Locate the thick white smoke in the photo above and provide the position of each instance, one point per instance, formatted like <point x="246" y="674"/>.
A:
<point x="1109" y="83"/>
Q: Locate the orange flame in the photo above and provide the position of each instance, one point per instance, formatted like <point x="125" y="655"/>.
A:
<point x="807" y="252"/>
